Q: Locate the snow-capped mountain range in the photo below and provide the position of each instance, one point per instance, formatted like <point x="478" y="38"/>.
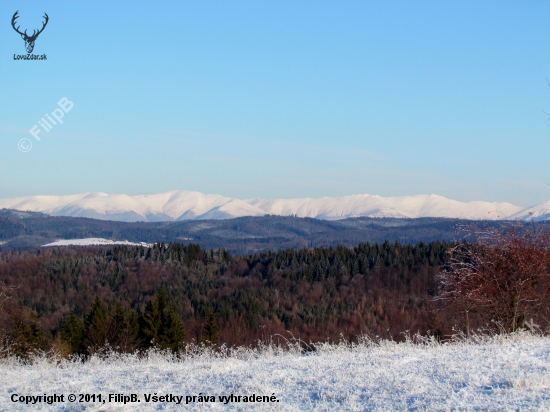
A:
<point x="187" y="205"/>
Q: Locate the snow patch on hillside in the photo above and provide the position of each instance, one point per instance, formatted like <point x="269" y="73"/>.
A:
<point x="94" y="241"/>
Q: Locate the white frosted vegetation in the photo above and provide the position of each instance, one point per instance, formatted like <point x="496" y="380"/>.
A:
<point x="500" y="373"/>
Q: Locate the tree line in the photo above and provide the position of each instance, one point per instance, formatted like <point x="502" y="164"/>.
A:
<point x="78" y="300"/>
<point x="316" y="294"/>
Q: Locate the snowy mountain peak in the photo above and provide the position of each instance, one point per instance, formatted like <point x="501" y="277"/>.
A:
<point x="189" y="205"/>
<point x="537" y="213"/>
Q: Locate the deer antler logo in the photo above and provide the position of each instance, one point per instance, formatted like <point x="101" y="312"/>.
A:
<point x="29" y="40"/>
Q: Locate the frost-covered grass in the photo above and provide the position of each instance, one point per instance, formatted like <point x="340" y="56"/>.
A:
<point x="486" y="373"/>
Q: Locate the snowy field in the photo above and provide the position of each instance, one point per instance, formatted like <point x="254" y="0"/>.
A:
<point x="503" y="373"/>
<point x="94" y="241"/>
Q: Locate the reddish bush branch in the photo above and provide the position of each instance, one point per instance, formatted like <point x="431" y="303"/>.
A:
<point x="503" y="278"/>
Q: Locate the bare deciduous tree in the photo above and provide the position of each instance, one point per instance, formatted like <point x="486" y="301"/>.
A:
<point x="504" y="277"/>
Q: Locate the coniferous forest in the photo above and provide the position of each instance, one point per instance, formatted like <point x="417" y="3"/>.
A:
<point x="76" y="300"/>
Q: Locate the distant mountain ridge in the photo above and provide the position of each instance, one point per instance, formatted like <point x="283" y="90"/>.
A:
<point x="242" y="235"/>
<point x="178" y="205"/>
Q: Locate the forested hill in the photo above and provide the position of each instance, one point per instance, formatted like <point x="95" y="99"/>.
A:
<point x="89" y="296"/>
<point x="27" y="230"/>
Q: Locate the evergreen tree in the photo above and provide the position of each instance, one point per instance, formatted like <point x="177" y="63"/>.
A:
<point x="115" y="326"/>
<point x="161" y="326"/>
<point x="173" y="334"/>
<point x="122" y="329"/>
<point x="72" y="332"/>
<point x="95" y="327"/>
<point x="131" y="336"/>
<point x="151" y="323"/>
<point x="210" y="331"/>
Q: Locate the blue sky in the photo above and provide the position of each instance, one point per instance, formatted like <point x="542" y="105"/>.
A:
<point x="280" y="99"/>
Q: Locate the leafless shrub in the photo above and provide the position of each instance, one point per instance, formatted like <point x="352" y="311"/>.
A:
<point x="503" y="278"/>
